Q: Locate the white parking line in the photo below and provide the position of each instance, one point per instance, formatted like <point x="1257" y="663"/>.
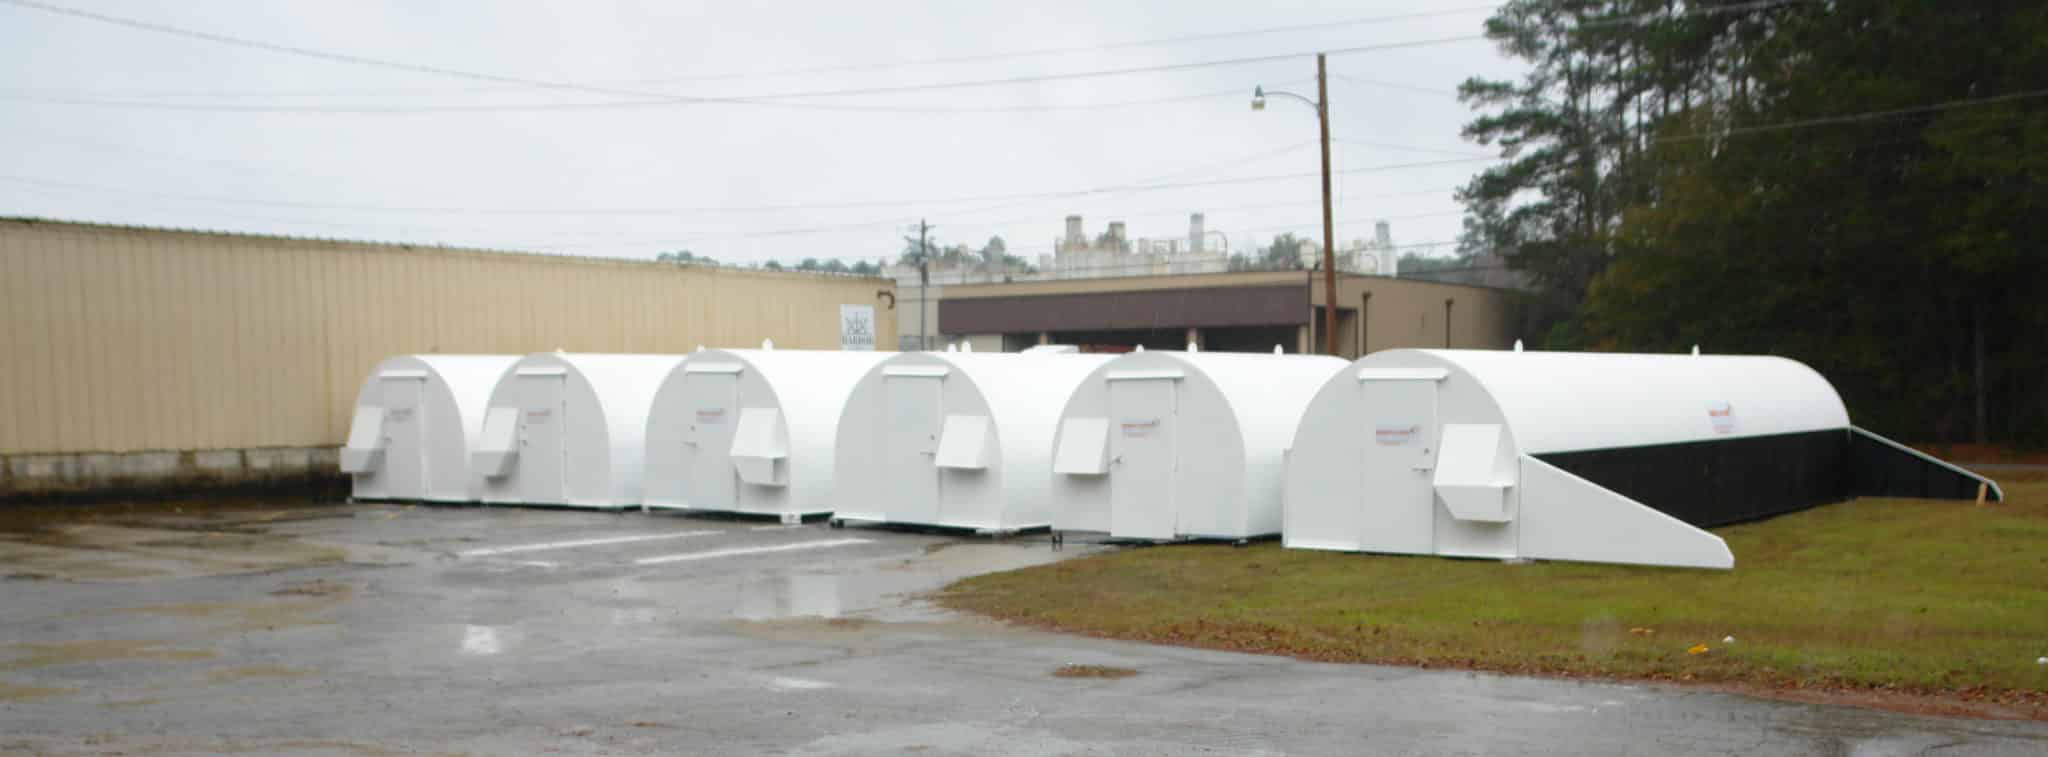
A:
<point x="778" y="527"/>
<point x="583" y="543"/>
<point x="717" y="553"/>
<point x="798" y="684"/>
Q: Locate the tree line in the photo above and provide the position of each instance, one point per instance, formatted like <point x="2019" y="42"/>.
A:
<point x="1856" y="184"/>
<point x="993" y="256"/>
<point x="828" y="265"/>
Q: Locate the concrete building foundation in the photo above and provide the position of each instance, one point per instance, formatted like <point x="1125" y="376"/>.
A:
<point x="127" y="473"/>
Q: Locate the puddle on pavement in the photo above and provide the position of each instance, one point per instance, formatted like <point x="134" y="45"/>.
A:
<point x="15" y="692"/>
<point x="227" y="513"/>
<point x="1092" y="671"/>
<point x="29" y="655"/>
<point x="295" y="746"/>
<point x="789" y="595"/>
<point x="252" y="672"/>
<point x="485" y="641"/>
<point x="887" y="589"/>
<point x="127" y="541"/>
<point x="307" y="599"/>
<point x="314" y="588"/>
<point x="960" y="559"/>
<point x="23" y="562"/>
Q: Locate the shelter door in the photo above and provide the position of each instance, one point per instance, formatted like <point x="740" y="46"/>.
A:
<point x="910" y="445"/>
<point x="1398" y="501"/>
<point x="405" y="454"/>
<point x="714" y="414"/>
<point x="1142" y="458"/>
<point x="541" y="438"/>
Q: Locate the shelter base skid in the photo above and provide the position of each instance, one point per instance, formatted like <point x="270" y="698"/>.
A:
<point x="1059" y="538"/>
<point x="844" y="519"/>
<point x="607" y="508"/>
<point x="786" y="517"/>
<point x="414" y="501"/>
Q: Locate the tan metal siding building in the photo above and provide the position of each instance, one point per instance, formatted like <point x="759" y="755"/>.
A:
<point x="121" y="339"/>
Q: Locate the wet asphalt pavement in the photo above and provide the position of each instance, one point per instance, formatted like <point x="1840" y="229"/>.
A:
<point x="387" y="629"/>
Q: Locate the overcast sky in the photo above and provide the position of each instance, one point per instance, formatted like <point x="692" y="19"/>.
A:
<point x="122" y="125"/>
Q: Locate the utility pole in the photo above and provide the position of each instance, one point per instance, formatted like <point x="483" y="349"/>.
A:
<point x="1329" y="233"/>
<point x="1322" y="106"/>
<point x="924" y="280"/>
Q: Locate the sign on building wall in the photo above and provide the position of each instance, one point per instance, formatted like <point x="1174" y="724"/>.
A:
<point x="857" y="327"/>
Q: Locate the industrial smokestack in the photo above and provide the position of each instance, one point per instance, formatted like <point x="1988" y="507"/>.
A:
<point x="1076" y="235"/>
<point x="1390" y="259"/>
<point x="1195" y="233"/>
<point x="1116" y="235"/>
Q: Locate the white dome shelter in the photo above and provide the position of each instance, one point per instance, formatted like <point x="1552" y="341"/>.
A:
<point x="750" y="431"/>
<point x="1171" y="445"/>
<point x="417" y="418"/>
<point x="955" y="439"/>
<point x="1579" y="456"/>
<point x="567" y="429"/>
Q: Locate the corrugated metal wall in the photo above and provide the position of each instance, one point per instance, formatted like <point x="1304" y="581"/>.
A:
<point x="1409" y="313"/>
<point x="118" y="339"/>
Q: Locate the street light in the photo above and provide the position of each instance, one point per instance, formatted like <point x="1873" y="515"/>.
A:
<point x="1322" y="106"/>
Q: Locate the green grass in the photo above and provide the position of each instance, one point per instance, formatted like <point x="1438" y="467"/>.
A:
<point x="1908" y="595"/>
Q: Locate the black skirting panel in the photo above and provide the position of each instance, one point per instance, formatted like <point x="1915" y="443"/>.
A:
<point x="1716" y="483"/>
<point x="1882" y="470"/>
<point x="1724" y="481"/>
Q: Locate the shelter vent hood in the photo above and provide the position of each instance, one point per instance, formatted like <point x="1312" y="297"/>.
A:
<point x="498" y="448"/>
<point x="365" y="450"/>
<point x="760" y="447"/>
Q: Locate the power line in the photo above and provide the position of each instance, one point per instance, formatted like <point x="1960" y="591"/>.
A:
<point x="19" y="95"/>
<point x="109" y="148"/>
<point x="1873" y="115"/>
<point x="1804" y="123"/>
<point x="880" y="223"/>
<point x="669" y="211"/>
<point x="1849" y="118"/>
<point x="842" y="68"/>
<point x="700" y="236"/>
<point x="781" y="99"/>
<point x="1148" y="184"/>
<point x="1395" y="86"/>
<point x="354" y="230"/>
<point x="237" y="168"/>
<point x="1110" y="190"/>
<point x="1225" y="209"/>
<point x="769" y="100"/>
<point x="1335" y="24"/>
<point x="1410" y="148"/>
<point x="665" y="241"/>
<point x="1640" y="18"/>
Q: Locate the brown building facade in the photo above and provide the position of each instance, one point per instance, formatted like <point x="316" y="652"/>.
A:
<point x="1230" y="312"/>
